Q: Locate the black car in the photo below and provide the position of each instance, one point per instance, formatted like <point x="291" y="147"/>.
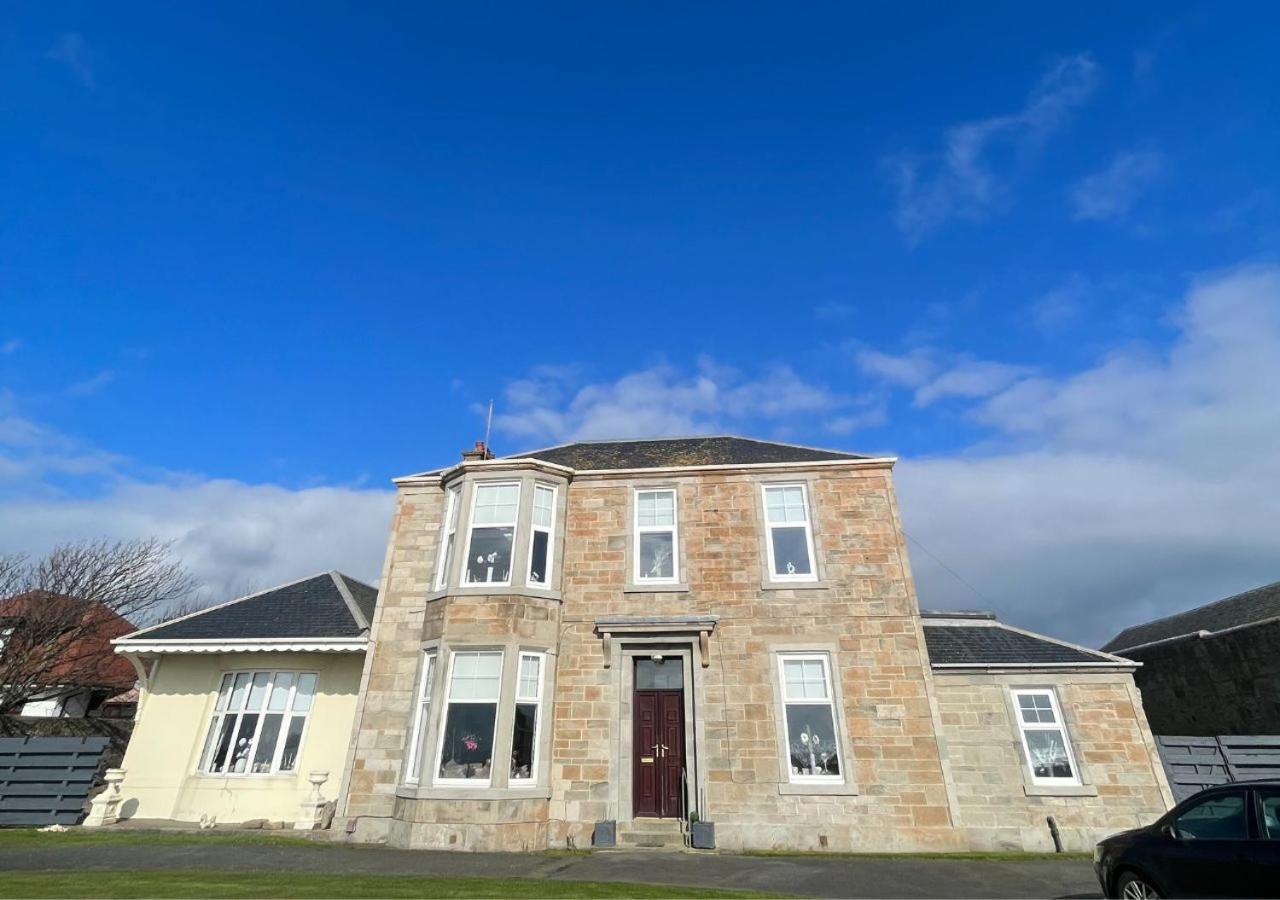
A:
<point x="1223" y="842"/>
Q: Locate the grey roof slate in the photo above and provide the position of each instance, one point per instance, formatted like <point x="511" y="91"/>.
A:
<point x="1241" y="609"/>
<point x="996" y="645"/>
<point x="688" y="451"/>
<point x="311" y="608"/>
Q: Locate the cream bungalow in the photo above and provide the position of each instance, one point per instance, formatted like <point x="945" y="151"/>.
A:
<point x="242" y="702"/>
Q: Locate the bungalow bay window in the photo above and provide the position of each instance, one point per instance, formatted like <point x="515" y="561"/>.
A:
<point x="790" y="535"/>
<point x="493" y="532"/>
<point x="470" y="714"/>
<point x="813" y="747"/>
<point x="448" y="535"/>
<point x="543" y="519"/>
<point x="257" y="723"/>
<point x="421" y="708"/>
<point x="655" y="536"/>
<point x="1044" y="738"/>
<point x="524" y="733"/>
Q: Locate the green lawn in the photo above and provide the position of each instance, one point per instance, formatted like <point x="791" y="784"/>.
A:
<point x="195" y="883"/>
<point x="1003" y="855"/>
<point x="30" y="837"/>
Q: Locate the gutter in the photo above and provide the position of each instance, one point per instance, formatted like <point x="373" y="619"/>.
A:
<point x="1199" y="635"/>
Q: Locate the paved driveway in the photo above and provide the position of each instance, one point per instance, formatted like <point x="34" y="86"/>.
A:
<point x="805" y="875"/>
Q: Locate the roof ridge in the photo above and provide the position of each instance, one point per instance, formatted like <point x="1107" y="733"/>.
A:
<point x="340" y="581"/>
<point x="680" y="437"/>
<point x="1196" y="609"/>
<point x="1061" y="642"/>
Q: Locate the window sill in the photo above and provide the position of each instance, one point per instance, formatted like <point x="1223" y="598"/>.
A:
<point x="495" y="591"/>
<point x="666" y="587"/>
<point x="767" y="585"/>
<point x="420" y="792"/>
<point x="829" y="790"/>
<point x="246" y="776"/>
<point x="1061" y="790"/>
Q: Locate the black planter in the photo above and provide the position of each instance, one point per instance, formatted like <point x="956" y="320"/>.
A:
<point x="606" y="834"/>
<point x="703" y="835"/>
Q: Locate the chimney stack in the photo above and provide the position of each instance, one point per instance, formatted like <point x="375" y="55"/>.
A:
<point x="478" y="453"/>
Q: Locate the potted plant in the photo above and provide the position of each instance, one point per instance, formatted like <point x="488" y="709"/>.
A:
<point x="702" y="835"/>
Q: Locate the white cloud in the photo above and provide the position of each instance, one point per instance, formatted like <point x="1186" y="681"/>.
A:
<point x="664" y="400"/>
<point x="936" y="376"/>
<point x="1058" y="307"/>
<point x="10" y="346"/>
<point x="908" y="370"/>
<point x="72" y="50"/>
<point x="91" y="385"/>
<point x="1139" y="486"/>
<point x="1112" y="192"/>
<point x="964" y="180"/>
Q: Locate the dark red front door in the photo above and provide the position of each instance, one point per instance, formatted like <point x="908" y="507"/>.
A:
<point x="658" y="753"/>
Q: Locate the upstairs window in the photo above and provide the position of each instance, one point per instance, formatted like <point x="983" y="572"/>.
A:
<point x="790" y="538"/>
<point x="544" y="517"/>
<point x="524" y="732"/>
<point x="493" y="532"/>
<point x="444" y="556"/>
<point x="257" y="723"/>
<point x="421" y="709"/>
<point x="470" y="713"/>
<point x="655" y="536"/>
<point x="1044" y="738"/>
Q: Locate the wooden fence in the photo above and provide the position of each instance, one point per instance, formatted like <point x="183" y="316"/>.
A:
<point x="46" y="780"/>
<point x="1195" y="763"/>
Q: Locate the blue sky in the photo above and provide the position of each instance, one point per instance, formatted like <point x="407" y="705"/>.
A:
<point x="256" y="261"/>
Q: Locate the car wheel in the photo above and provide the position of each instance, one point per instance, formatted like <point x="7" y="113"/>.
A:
<point x="1132" y="886"/>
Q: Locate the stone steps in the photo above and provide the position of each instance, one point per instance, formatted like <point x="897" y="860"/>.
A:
<point x="658" y="834"/>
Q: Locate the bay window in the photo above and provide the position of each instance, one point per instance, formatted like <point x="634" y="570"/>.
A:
<point x="257" y="723"/>
<point x="1044" y="737"/>
<point x="493" y="529"/>
<point x="813" y="745"/>
<point x="422" y="707"/>
<point x="656" y="541"/>
<point x="524" y="733"/>
<point x="448" y="535"/>
<point x="790" y="535"/>
<point x="540" y="541"/>
<point x="471" y="711"/>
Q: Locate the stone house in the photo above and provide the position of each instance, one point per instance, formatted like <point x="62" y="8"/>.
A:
<point x="640" y="632"/>
<point x="1212" y="670"/>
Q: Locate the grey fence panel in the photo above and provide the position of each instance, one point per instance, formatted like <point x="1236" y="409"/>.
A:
<point x="45" y="781"/>
<point x="1195" y="763"/>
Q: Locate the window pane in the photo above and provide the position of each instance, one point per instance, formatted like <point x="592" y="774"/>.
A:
<point x="475" y="676"/>
<point x="543" y="506"/>
<point x="655" y="508"/>
<point x="790" y="552"/>
<point x="1270" y="814"/>
<point x="1049" y="758"/>
<point x="224" y="744"/>
<point x="1220" y="818"/>
<point x="657" y="676"/>
<point x="292" y="738"/>
<point x="267" y="743"/>
<point x="258" y="690"/>
<point x="522" y="741"/>
<point x="428" y="670"/>
<point x="224" y="692"/>
<point x="805" y="679"/>
<point x="1036" y="709"/>
<point x="813" y="740"/>
<point x="496" y="504"/>
<point x="530" y="672"/>
<point x="279" y="701"/>
<point x="244" y="743"/>
<point x="210" y="741"/>
<point x="302" y="696"/>
<point x="446" y="560"/>
<point x="237" y="693"/>
<point x="785" y="504"/>
<point x="490" y="555"/>
<point x="467" y="750"/>
<point x="538" y="562"/>
<point x="656" y="555"/>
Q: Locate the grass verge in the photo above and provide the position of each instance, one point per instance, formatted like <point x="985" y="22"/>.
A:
<point x="1000" y="855"/>
<point x="296" y="886"/>
<point x="30" y="837"/>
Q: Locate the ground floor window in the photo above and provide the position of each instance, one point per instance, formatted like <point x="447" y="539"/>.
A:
<point x="813" y="744"/>
<point x="421" y="708"/>
<point x="1044" y="737"/>
<point x="470" y="715"/>
<point x="258" y="722"/>
<point x="524" y="732"/>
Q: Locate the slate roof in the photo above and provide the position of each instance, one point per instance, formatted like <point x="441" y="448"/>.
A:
<point x="686" y="451"/>
<point x="314" y="607"/>
<point x="1241" y="609"/>
<point x="995" y="644"/>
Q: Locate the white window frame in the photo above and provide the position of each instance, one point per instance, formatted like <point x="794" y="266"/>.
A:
<point x="638" y="530"/>
<point x="1059" y="725"/>
<point x="448" y="530"/>
<point x="208" y="748"/>
<point x="536" y="700"/>
<point x="471" y="531"/>
<point x="422" y="709"/>
<point x="829" y="702"/>
<point x="549" y="530"/>
<point x="808" y="531"/>
<point x="476" y="783"/>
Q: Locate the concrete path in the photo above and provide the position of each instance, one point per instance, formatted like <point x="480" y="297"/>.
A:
<point x="802" y="875"/>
